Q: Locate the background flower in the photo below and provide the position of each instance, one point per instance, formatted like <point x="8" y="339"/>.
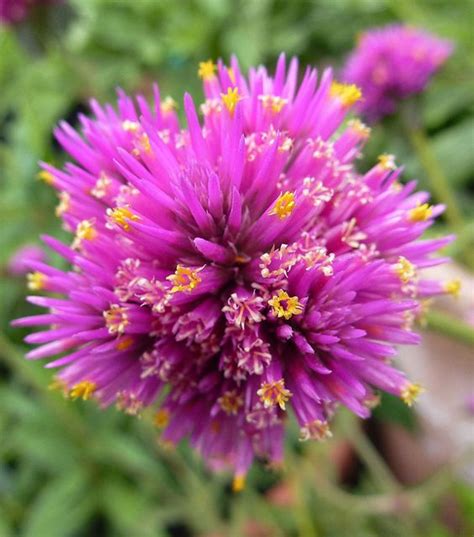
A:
<point x="392" y="63"/>
<point x="13" y="11"/>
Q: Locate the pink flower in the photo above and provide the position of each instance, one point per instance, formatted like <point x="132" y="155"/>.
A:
<point x="392" y="63"/>
<point x="13" y="11"/>
<point x="234" y="269"/>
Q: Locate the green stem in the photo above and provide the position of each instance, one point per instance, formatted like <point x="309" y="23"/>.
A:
<point x="438" y="182"/>
<point x="26" y="372"/>
<point x="372" y="458"/>
<point x="415" y="499"/>
<point x="450" y="326"/>
<point x="302" y="514"/>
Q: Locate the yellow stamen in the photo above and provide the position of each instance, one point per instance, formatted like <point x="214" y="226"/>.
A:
<point x="85" y="230"/>
<point x="83" y="390"/>
<point x="36" y="281"/>
<point x="142" y="145"/>
<point x="59" y="385"/>
<point x="116" y="319"/>
<point x="168" y="105"/>
<point x="284" y="205"/>
<point x="273" y="102"/>
<point x="122" y="216"/>
<point x="64" y="204"/>
<point x="130" y="126"/>
<point x="284" y="305"/>
<point x="230" y="99"/>
<point x="124" y="343"/>
<point x="185" y="279"/>
<point x="47" y="177"/>
<point x="453" y="287"/>
<point x="405" y="270"/>
<point x="231" y="74"/>
<point x="387" y="162"/>
<point x="162" y="418"/>
<point x="230" y="402"/>
<point x="207" y="70"/>
<point x="410" y="393"/>
<point x="238" y="483"/>
<point x="102" y="186"/>
<point x="360" y="128"/>
<point x="421" y="213"/>
<point x="348" y="94"/>
<point x="274" y="393"/>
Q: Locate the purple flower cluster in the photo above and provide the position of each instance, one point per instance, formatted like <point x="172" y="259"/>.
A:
<point x="391" y="63"/>
<point x="13" y="11"/>
<point x="229" y="270"/>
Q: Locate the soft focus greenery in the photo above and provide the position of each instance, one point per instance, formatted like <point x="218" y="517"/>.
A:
<point x="69" y="469"/>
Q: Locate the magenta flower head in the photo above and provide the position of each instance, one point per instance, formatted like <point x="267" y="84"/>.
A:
<point x="392" y="63"/>
<point x="229" y="271"/>
<point x="14" y="11"/>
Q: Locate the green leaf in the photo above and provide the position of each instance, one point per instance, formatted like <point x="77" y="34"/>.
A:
<point x="127" y="453"/>
<point x="392" y="409"/>
<point x="61" y="508"/>
<point x="129" y="513"/>
<point x="444" y="101"/>
<point x="5" y="528"/>
<point x="454" y="148"/>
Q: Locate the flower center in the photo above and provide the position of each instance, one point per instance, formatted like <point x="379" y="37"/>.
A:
<point x="207" y="70"/>
<point x="410" y="393"/>
<point x="83" y="390"/>
<point x="116" y="319"/>
<point x="230" y="402"/>
<point x="348" y="94"/>
<point x="284" y="205"/>
<point x="421" y="213"/>
<point x="230" y="99"/>
<point x="274" y="393"/>
<point x="405" y="269"/>
<point x="284" y="305"/>
<point x="36" y="281"/>
<point x="184" y="279"/>
<point x="122" y="216"/>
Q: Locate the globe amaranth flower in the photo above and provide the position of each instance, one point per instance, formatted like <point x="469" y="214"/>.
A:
<point x="14" y="11"/>
<point x="229" y="271"/>
<point x="392" y="63"/>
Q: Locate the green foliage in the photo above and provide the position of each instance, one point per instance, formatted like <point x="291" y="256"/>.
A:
<point x="395" y="411"/>
<point x="74" y="470"/>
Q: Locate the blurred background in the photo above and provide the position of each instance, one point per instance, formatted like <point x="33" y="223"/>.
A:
<point x="69" y="469"/>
